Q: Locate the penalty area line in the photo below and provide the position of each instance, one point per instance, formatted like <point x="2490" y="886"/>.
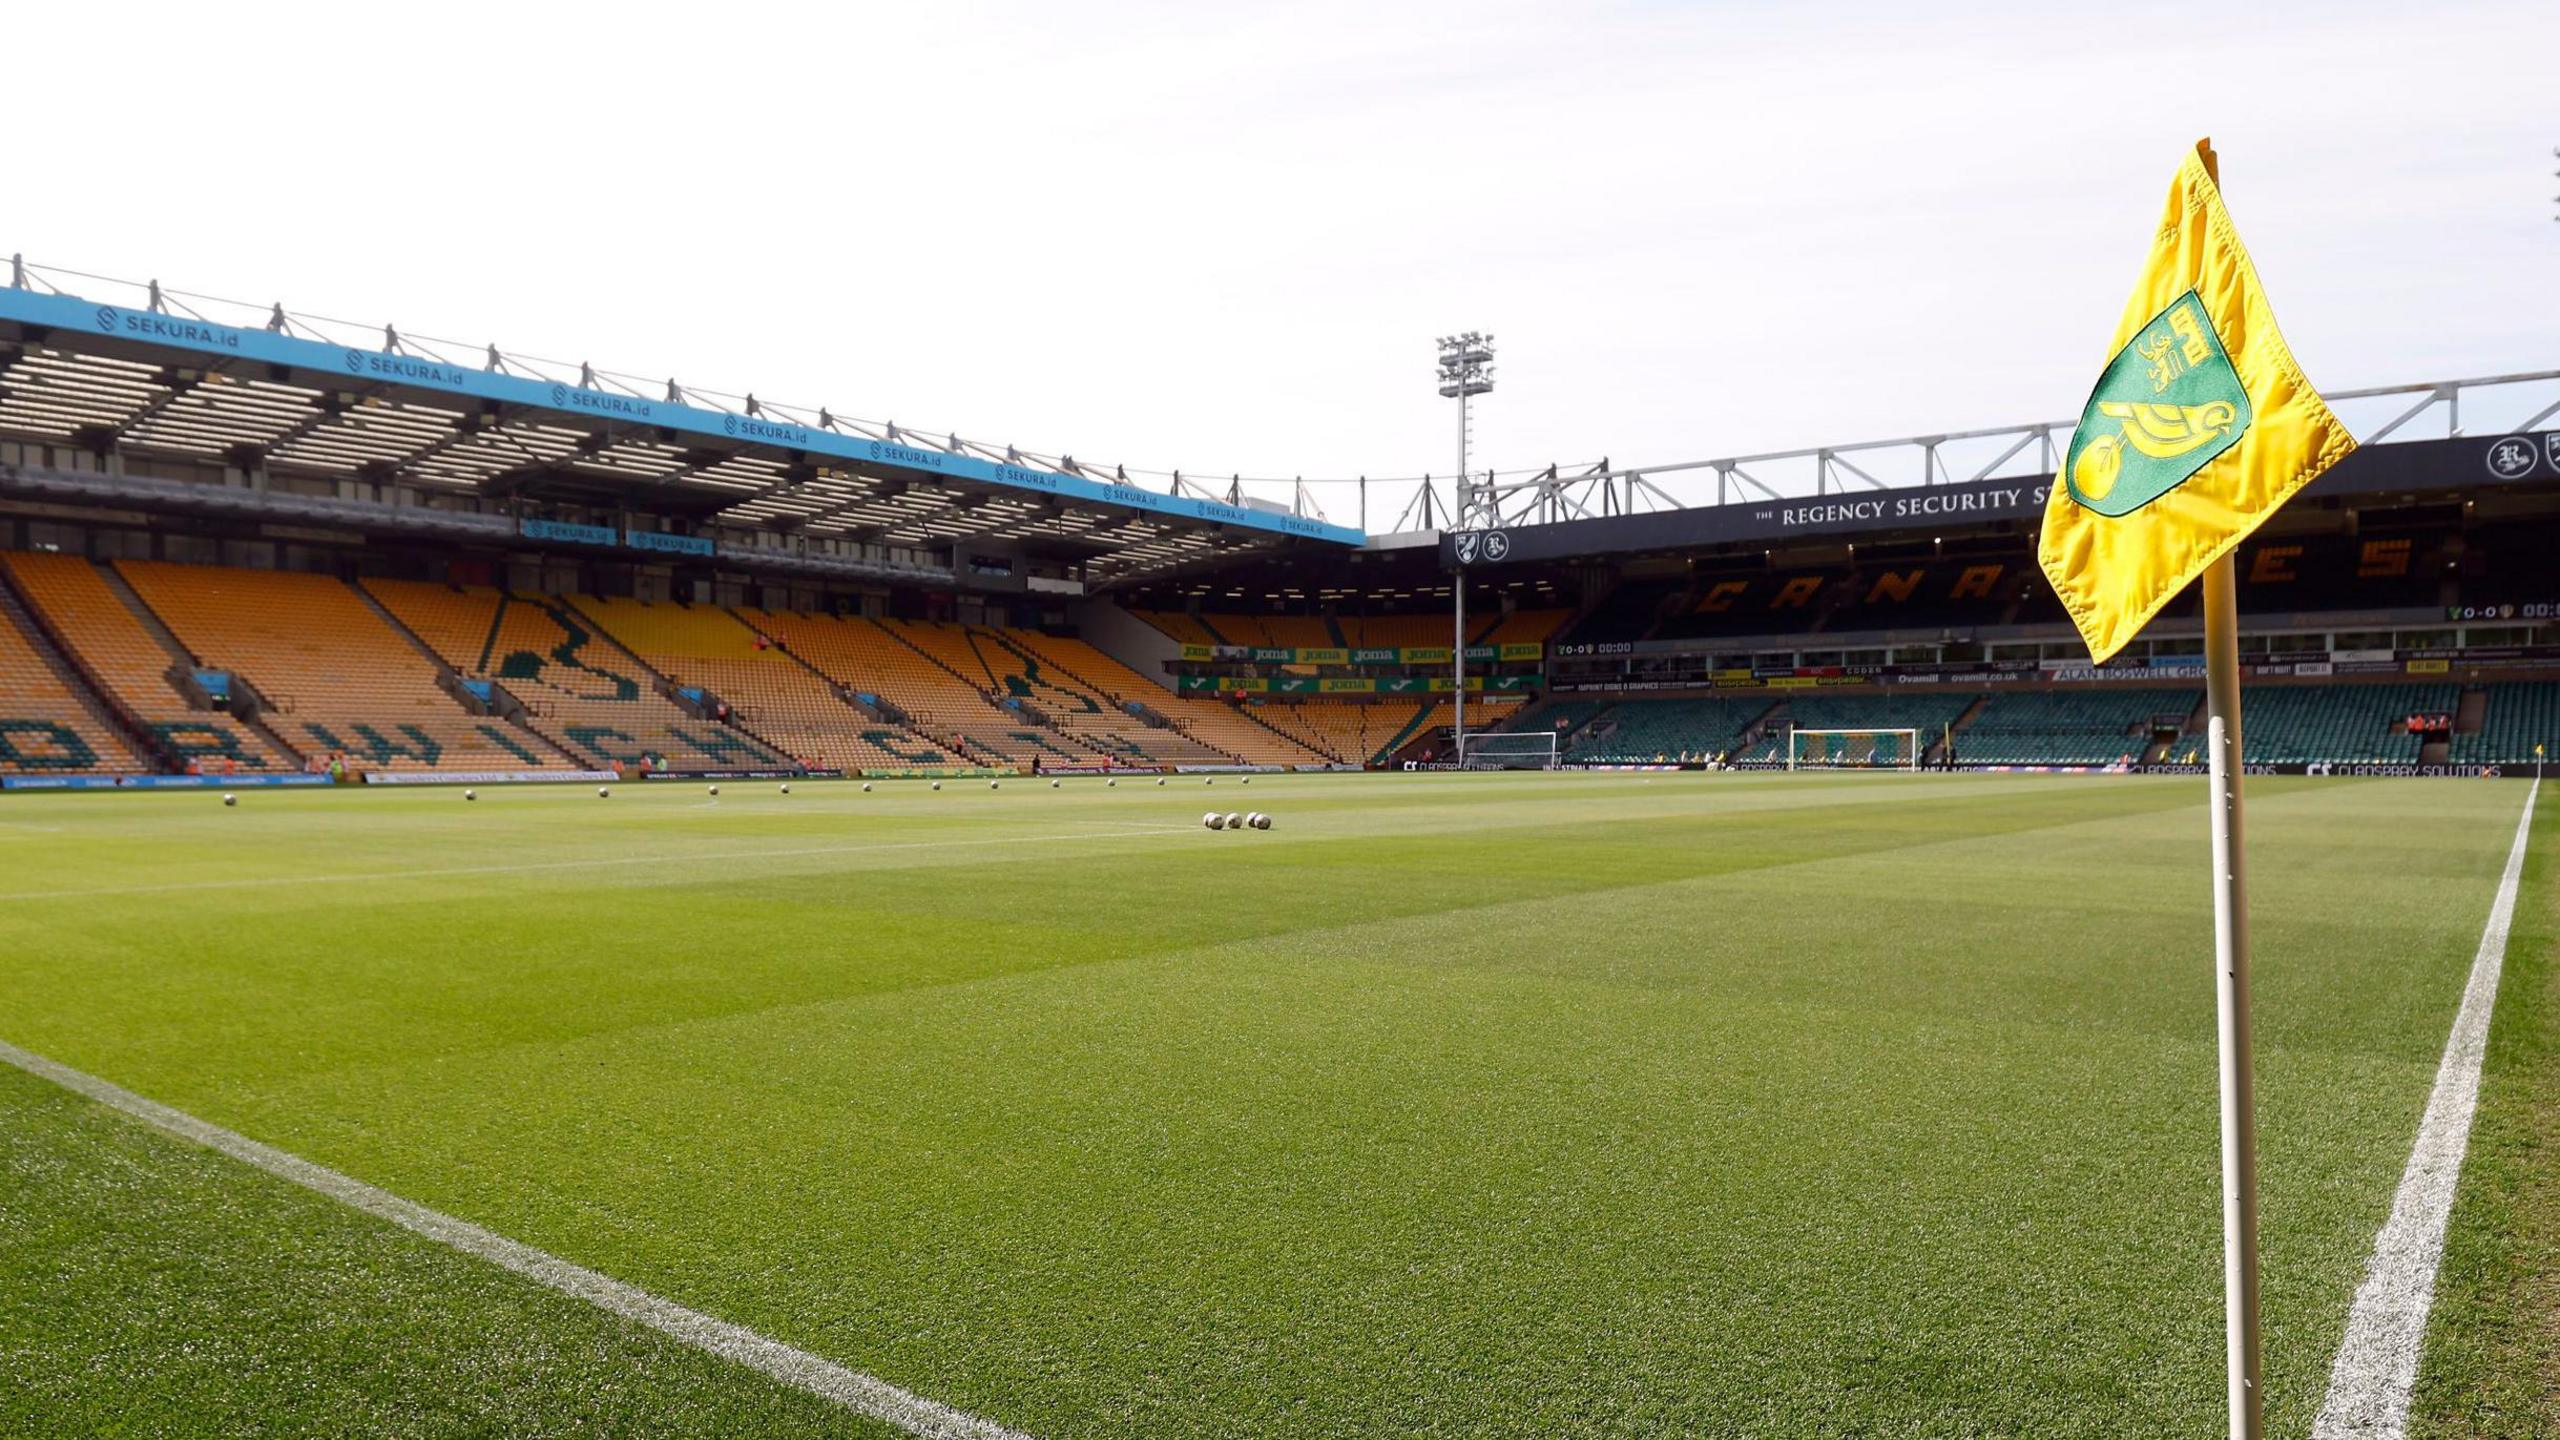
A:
<point x="864" y="1394"/>
<point x="2376" y="1369"/>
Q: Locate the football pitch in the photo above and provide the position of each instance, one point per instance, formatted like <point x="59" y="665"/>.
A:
<point x="1483" y="1105"/>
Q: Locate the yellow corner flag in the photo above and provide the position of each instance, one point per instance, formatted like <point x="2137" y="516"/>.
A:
<point x="2200" y="426"/>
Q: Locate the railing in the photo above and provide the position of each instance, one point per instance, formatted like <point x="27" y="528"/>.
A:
<point x="2497" y="404"/>
<point x="2434" y="409"/>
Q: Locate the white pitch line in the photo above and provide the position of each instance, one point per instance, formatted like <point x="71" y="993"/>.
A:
<point x="600" y="862"/>
<point x="2377" y="1364"/>
<point x="865" y="1394"/>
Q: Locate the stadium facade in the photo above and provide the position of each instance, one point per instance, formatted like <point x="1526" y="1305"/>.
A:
<point x="278" y="549"/>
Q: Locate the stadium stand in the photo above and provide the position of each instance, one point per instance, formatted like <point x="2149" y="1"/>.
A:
<point x="1522" y="627"/>
<point x="2516" y="717"/>
<point x="770" y="693"/>
<point x="2071" y="727"/>
<point x="1639" y="732"/>
<point x="579" y="690"/>
<point x="1563" y="714"/>
<point x="46" y="727"/>
<point x="931" y="675"/>
<point x="1363" y="632"/>
<point x="124" y="660"/>
<point x="333" y="679"/>
<point x="940" y="712"/>
<point x="1889" y="596"/>
<point x="1239" y="732"/>
<point x="1484" y="712"/>
<point x="2333" y="724"/>
<point x="1352" y="732"/>
<point x="1397" y="631"/>
<point x="1078" y="712"/>
<point x="1181" y="628"/>
<point x="1292" y="631"/>
<point x="1197" y="730"/>
<point x="1930" y="715"/>
<point x="1005" y="728"/>
<point x="1627" y="612"/>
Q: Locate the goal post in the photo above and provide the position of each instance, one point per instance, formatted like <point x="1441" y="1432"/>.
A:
<point x="1508" y="750"/>
<point x="1860" y="749"/>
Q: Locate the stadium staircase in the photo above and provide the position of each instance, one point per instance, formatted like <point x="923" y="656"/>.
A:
<point x="915" y="728"/>
<point x="1935" y="751"/>
<point x="1435" y="730"/>
<point x="1223" y="733"/>
<point x="2473" y="710"/>
<point x="717" y="662"/>
<point x="1383" y="750"/>
<point x="1015" y="731"/>
<point x="1259" y="716"/>
<point x="52" y="720"/>
<point x="128" y="658"/>
<point x="2195" y="726"/>
<point x="1352" y="732"/>
<point x="503" y="707"/>
<point x="242" y="704"/>
<point x="1412" y="737"/>
<point x="2514" y="717"/>
<point x="1575" y="721"/>
<point x="1079" y="709"/>
<point x="946" y="715"/>
<point x="313" y="660"/>
<point x="1297" y="730"/>
<point x="2335" y="724"/>
<point x="580" y="691"/>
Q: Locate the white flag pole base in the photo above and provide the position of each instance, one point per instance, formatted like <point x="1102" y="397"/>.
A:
<point x="2231" y="993"/>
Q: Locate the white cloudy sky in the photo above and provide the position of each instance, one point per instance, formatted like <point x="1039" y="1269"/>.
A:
<point x="1222" y="237"/>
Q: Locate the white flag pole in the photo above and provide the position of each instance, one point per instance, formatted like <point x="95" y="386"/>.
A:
<point x="2231" y="965"/>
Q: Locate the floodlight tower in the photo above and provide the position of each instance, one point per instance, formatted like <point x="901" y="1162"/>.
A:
<point x="1466" y="371"/>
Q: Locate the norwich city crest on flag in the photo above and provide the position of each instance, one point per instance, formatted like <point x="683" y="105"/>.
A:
<point x="2166" y="406"/>
<point x="2201" y="425"/>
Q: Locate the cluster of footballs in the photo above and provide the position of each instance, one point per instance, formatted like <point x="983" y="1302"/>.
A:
<point x="1232" y="821"/>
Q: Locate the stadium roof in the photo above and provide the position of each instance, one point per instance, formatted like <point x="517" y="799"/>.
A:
<point x="288" y="393"/>
<point x="160" y="380"/>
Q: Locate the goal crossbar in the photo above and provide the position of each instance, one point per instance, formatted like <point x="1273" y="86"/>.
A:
<point x="1510" y="750"/>
<point x="1906" y="753"/>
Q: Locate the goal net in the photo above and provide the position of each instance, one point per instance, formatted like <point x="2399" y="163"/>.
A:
<point x="1853" y="749"/>
<point x="1509" y="750"/>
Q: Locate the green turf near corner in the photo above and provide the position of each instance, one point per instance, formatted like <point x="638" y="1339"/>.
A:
<point x="1468" y="1105"/>
<point x="2491" y="1370"/>
<point x="150" y="1288"/>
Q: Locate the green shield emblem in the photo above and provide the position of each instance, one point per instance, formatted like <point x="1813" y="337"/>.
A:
<point x="2164" y="408"/>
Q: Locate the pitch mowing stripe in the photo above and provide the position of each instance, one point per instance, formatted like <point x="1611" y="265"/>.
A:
<point x="252" y="882"/>
<point x="865" y="1394"/>
<point x="2377" y="1364"/>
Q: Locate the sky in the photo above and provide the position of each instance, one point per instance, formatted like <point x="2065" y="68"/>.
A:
<point x="1223" y="238"/>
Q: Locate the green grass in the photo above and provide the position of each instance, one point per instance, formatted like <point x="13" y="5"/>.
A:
<point x="2491" y="1369"/>
<point x="1560" y="1105"/>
